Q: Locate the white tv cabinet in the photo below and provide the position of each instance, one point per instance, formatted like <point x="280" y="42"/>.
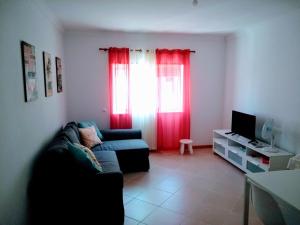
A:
<point x="247" y="157"/>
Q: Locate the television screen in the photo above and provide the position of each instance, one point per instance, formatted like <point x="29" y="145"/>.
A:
<point x="243" y="124"/>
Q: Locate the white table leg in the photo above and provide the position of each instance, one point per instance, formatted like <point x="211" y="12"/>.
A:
<point x="181" y="148"/>
<point x="246" y="202"/>
<point x="191" y="149"/>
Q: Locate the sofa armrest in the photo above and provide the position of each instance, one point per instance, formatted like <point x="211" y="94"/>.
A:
<point x="108" y="196"/>
<point x="121" y="134"/>
<point x="109" y="180"/>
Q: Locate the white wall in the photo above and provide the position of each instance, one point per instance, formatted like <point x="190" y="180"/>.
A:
<point x="263" y="76"/>
<point x="24" y="127"/>
<point x="87" y="76"/>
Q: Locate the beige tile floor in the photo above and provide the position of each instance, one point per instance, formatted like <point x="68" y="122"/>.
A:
<point x="198" y="189"/>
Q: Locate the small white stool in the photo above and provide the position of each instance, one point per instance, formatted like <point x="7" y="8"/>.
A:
<point x="188" y="142"/>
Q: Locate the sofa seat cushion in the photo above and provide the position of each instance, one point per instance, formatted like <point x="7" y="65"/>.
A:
<point x="108" y="161"/>
<point x="122" y="145"/>
<point x="132" y="154"/>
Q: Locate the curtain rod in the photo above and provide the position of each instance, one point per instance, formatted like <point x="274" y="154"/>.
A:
<point x="137" y="50"/>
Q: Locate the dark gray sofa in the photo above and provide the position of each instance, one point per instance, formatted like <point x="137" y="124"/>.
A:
<point x="62" y="191"/>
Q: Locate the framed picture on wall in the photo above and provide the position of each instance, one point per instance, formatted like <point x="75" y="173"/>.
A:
<point x="58" y="74"/>
<point x="48" y="74"/>
<point x="29" y="71"/>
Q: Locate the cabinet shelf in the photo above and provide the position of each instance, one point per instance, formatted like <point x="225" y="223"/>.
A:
<point x="240" y="153"/>
<point x="258" y="162"/>
<point x="237" y="149"/>
<point x="221" y="141"/>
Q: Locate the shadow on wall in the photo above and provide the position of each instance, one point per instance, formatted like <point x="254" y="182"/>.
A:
<point x="33" y="173"/>
<point x="231" y="72"/>
<point x="16" y="199"/>
<point x="260" y="120"/>
<point x="287" y="139"/>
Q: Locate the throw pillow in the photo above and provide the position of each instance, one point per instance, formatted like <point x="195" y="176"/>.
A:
<point x="89" y="136"/>
<point x="91" y="156"/>
<point x="85" y="124"/>
<point x="82" y="158"/>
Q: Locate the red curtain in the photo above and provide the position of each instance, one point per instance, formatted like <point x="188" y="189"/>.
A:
<point x="173" y="116"/>
<point x="119" y="102"/>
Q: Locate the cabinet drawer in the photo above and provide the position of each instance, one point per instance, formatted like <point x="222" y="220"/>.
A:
<point x="235" y="157"/>
<point x="219" y="148"/>
<point x="253" y="167"/>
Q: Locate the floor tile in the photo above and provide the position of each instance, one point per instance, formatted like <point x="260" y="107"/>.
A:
<point x="171" y="184"/>
<point x="138" y="210"/>
<point x="126" y="199"/>
<point x="211" y="216"/>
<point x="129" y="221"/>
<point x="154" y="196"/>
<point x="163" y="217"/>
<point x="185" y="204"/>
<point x="190" y="221"/>
<point x="148" y="181"/>
<point x="132" y="190"/>
<point x="132" y="176"/>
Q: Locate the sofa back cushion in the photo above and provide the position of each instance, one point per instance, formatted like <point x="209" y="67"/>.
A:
<point x="52" y="167"/>
<point x="71" y="132"/>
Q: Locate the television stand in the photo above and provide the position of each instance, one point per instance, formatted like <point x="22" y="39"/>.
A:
<point x="253" y="142"/>
<point x="249" y="158"/>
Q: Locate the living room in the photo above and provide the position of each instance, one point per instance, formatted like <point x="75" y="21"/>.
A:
<point x="246" y="59"/>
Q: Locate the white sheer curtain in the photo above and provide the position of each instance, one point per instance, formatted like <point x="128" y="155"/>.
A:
<point x="143" y="82"/>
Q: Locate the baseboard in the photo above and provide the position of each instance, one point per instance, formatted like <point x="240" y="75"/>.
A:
<point x="194" y="147"/>
<point x="201" y="146"/>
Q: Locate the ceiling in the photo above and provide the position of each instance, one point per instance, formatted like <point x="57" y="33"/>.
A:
<point x="179" y="16"/>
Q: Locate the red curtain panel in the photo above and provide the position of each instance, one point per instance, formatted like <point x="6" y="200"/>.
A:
<point x="173" y="115"/>
<point x="119" y="89"/>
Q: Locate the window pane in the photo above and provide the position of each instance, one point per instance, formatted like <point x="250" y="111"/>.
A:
<point x="120" y="89"/>
<point x="171" y="89"/>
<point x="143" y="88"/>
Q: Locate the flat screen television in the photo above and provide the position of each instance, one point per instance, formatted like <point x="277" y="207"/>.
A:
<point x="243" y="124"/>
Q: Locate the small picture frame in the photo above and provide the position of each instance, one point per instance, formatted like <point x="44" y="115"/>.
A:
<point x="48" y="74"/>
<point x="58" y="74"/>
<point x="29" y="71"/>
